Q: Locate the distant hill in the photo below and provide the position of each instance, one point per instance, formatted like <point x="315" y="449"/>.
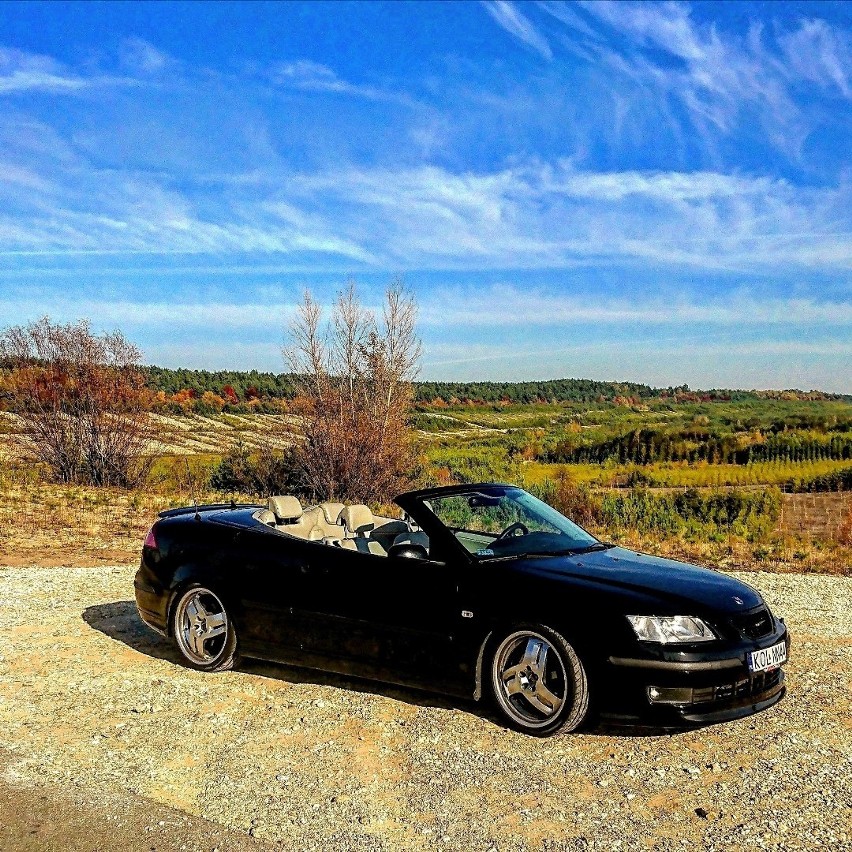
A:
<point x="247" y="385"/>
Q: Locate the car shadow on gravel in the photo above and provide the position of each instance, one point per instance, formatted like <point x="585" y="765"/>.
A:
<point x="120" y="621"/>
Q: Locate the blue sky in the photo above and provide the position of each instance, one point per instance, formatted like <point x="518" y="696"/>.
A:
<point x="653" y="192"/>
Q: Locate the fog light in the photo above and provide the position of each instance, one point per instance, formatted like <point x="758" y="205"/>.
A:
<point x="670" y="694"/>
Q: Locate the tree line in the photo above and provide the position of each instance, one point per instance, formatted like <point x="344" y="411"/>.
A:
<point x="182" y="390"/>
<point x="255" y="385"/>
<point x="647" y="446"/>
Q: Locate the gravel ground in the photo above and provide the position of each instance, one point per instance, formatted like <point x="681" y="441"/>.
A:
<point x="93" y="707"/>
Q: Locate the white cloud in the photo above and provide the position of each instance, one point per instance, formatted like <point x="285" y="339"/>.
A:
<point x="304" y="72"/>
<point x="522" y="307"/>
<point x="496" y="306"/>
<point x="532" y="214"/>
<point x="511" y="19"/>
<point x="567" y="15"/>
<point x="439" y="354"/>
<point x="22" y="72"/>
<point x="550" y="216"/>
<point x="724" y="79"/>
<point x="309" y="76"/>
<point x="136" y="54"/>
<point x="820" y="54"/>
<point x="29" y="72"/>
<point x="527" y="217"/>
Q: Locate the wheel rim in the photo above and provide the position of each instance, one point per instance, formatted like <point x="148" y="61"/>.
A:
<point x="530" y="680"/>
<point x="201" y="626"/>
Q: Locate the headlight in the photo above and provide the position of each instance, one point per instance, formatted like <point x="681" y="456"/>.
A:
<point x="670" y="628"/>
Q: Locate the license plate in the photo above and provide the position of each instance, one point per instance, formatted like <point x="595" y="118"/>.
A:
<point x="767" y="659"/>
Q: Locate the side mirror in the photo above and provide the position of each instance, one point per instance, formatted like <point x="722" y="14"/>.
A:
<point x="408" y="551"/>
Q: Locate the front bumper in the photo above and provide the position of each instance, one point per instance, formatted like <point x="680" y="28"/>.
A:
<point x="691" y="689"/>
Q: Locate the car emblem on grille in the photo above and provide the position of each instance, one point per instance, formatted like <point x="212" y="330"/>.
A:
<point x="738" y="600"/>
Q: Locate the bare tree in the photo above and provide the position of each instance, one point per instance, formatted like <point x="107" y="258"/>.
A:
<point x="82" y="397"/>
<point x="355" y="395"/>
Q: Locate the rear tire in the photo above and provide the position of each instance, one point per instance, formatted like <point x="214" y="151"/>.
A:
<point x="204" y="631"/>
<point x="538" y="682"/>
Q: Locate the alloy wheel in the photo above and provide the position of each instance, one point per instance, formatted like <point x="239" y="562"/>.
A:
<point x="531" y="683"/>
<point x="201" y="626"/>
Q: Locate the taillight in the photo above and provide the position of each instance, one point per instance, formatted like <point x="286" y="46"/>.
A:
<point x="150" y="540"/>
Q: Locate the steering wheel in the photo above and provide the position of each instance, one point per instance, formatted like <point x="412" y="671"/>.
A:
<point x="516" y="529"/>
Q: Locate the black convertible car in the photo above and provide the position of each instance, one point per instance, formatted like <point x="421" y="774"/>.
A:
<point x="476" y="590"/>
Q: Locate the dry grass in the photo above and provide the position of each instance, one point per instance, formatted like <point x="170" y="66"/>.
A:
<point x="187" y="435"/>
<point x="784" y="553"/>
<point x="54" y="525"/>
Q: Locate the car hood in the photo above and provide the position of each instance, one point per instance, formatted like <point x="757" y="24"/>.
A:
<point x="665" y="579"/>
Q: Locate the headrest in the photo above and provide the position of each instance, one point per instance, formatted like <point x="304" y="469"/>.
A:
<point x="357" y="518"/>
<point x="419" y="538"/>
<point x="332" y="511"/>
<point x="316" y="534"/>
<point x="266" y="517"/>
<point x="285" y="508"/>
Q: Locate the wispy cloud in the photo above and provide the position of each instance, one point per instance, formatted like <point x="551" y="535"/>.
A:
<point x="513" y="306"/>
<point x="531" y="216"/>
<point x="511" y="19"/>
<point x="820" y="54"/>
<point x="723" y="80"/>
<point x="440" y="354"/>
<point x="22" y="72"/>
<point x="539" y="216"/>
<point x="482" y="308"/>
<point x="195" y="315"/>
<point x="140" y="56"/>
<point x="30" y="72"/>
<point x="309" y="76"/>
<point x="56" y="201"/>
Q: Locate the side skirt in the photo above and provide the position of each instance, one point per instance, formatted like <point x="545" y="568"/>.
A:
<point x="460" y="687"/>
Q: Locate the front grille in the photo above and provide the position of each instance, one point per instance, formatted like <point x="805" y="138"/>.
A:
<point x="748" y="686"/>
<point x="753" y="625"/>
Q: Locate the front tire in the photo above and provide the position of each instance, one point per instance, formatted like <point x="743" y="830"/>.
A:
<point x="203" y="631"/>
<point x="538" y="682"/>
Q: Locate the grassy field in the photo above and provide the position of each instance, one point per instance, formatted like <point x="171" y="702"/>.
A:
<point x="685" y="475"/>
<point x="792" y="446"/>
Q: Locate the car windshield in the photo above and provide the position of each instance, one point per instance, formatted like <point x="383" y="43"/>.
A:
<point x="505" y="521"/>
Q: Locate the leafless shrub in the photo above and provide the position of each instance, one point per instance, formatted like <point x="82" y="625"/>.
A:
<point x="82" y="398"/>
<point x="355" y="395"/>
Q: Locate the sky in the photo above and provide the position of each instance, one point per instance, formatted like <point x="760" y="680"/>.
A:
<point x="654" y="192"/>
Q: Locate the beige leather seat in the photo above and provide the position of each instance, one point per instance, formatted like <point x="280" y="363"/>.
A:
<point x="331" y="512"/>
<point x="358" y="524"/>
<point x="287" y="510"/>
<point x="329" y="520"/>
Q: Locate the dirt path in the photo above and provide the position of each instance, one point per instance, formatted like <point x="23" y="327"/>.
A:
<point x="103" y="735"/>
<point x="54" y="818"/>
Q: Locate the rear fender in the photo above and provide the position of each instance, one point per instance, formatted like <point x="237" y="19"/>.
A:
<point x="195" y="574"/>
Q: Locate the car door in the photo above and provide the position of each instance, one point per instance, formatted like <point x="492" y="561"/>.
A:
<point x="393" y="616"/>
<point x="273" y="586"/>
